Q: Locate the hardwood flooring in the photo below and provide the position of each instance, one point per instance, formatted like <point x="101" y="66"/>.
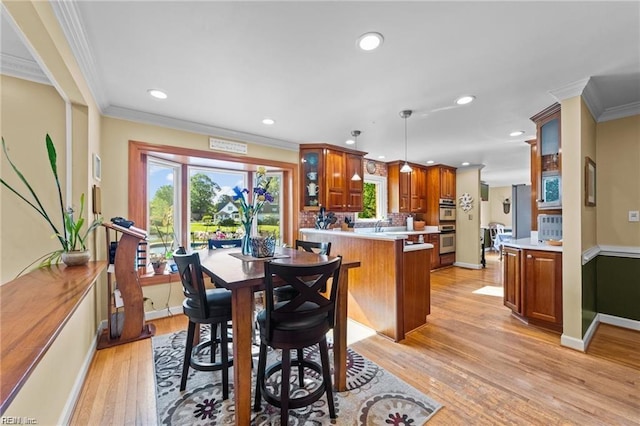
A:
<point x="482" y="364"/>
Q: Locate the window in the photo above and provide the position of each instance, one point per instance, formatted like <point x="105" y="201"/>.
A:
<point x="163" y="221"/>
<point x="374" y="199"/>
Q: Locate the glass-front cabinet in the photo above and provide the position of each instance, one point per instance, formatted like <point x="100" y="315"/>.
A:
<point x="326" y="172"/>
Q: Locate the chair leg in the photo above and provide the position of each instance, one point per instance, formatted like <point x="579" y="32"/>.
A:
<point x="284" y="390"/>
<point x="214" y="341"/>
<point x="326" y="376"/>
<point x="262" y="365"/>
<point x="300" y="368"/>
<point x="224" y="359"/>
<point x="187" y="354"/>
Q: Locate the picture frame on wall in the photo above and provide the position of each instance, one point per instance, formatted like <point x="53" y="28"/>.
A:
<point x="589" y="182"/>
<point x="97" y="167"/>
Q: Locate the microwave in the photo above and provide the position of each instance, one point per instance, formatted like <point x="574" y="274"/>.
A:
<point x="550" y="195"/>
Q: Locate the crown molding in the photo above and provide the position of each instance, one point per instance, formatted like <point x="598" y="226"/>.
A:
<point x="22" y="68"/>
<point x="570" y="90"/>
<point x="69" y="19"/>
<point x="190" y="126"/>
<point x="621" y="111"/>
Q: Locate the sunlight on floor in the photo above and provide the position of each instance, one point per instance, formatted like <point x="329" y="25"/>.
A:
<point x="357" y="331"/>
<point x="490" y="291"/>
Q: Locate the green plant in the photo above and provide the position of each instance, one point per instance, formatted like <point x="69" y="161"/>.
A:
<point x="71" y="235"/>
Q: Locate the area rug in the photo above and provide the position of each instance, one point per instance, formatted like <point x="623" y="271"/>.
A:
<point x="375" y="397"/>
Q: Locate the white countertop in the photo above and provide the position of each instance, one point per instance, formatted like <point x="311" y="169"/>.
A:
<point x="387" y="235"/>
<point x="525" y="243"/>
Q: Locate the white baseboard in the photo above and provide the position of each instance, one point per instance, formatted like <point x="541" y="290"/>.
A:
<point x="572" y="342"/>
<point x="72" y="399"/>
<point x="583" y="344"/>
<point x="163" y="313"/>
<point x="468" y="265"/>
<point x="619" y="322"/>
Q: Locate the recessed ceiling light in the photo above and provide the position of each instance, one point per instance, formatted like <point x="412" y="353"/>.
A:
<point x="381" y="157"/>
<point x="466" y="163"/>
<point x="370" y="41"/>
<point x="350" y="142"/>
<point x="463" y="100"/>
<point x="157" y="93"/>
<point x="517" y="133"/>
<point x="430" y="162"/>
<point x="268" y="121"/>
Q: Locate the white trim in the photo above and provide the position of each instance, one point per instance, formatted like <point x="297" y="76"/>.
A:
<point x="68" y="17"/>
<point x="589" y="254"/>
<point x="468" y="265"/>
<point x="381" y="198"/>
<point x="572" y="342"/>
<point x="592" y="100"/>
<point x="620" y="111"/>
<point x="586" y="339"/>
<point x="69" y="154"/>
<point x="22" y="68"/>
<point x="190" y="126"/>
<point x="163" y="313"/>
<point x="619" y="321"/>
<point x="570" y="90"/>
<point x="620" y="251"/>
<point x="72" y="399"/>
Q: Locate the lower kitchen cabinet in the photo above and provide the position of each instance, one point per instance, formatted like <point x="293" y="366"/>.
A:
<point x="532" y="281"/>
<point x="435" y="252"/>
<point x="447" y="259"/>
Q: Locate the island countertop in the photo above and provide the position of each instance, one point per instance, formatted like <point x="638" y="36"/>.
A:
<point x="391" y="234"/>
<point x="525" y="243"/>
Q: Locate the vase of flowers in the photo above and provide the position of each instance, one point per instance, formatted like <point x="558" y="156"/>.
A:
<point x="249" y="209"/>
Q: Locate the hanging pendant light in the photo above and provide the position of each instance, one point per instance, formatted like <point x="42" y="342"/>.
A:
<point x="355" y="134"/>
<point x="406" y="168"/>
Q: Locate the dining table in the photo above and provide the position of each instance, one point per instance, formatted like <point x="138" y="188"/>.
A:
<point x="244" y="275"/>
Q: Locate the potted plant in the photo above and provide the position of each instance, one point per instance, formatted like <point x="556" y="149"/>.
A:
<point x="72" y="234"/>
<point x="159" y="260"/>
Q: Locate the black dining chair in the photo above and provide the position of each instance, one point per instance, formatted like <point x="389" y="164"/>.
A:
<point x="204" y="306"/>
<point x="298" y="323"/>
<point x="287" y="292"/>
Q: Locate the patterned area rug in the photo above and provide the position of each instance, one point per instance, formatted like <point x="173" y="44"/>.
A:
<point x="375" y="397"/>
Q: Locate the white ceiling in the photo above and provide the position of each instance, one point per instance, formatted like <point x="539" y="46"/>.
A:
<point x="228" y="65"/>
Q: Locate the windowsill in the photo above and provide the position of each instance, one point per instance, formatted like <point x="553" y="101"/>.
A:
<point x="154" y="279"/>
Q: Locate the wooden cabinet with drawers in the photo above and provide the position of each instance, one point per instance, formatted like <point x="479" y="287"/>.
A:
<point x="326" y="172"/>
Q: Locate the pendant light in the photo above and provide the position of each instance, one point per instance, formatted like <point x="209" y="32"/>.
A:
<point x="406" y="168"/>
<point x="355" y="134"/>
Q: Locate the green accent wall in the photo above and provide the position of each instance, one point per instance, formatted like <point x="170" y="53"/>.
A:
<point x="589" y="294"/>
<point x="618" y="286"/>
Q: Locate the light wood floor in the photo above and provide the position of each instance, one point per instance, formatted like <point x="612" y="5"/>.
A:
<point x="484" y="366"/>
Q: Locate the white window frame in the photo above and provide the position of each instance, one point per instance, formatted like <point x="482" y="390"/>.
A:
<point x="381" y="198"/>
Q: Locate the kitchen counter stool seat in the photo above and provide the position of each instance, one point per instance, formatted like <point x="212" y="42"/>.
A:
<point x="204" y="306"/>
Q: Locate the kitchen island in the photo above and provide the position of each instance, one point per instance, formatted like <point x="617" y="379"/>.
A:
<point x="390" y="292"/>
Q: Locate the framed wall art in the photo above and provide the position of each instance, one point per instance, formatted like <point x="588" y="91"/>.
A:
<point x="589" y="182"/>
<point x="97" y="167"/>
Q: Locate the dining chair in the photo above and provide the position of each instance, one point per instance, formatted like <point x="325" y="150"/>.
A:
<point x="298" y="323"/>
<point x="204" y="306"/>
<point x="495" y="228"/>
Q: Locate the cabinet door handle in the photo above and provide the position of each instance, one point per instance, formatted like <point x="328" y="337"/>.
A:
<point x="529" y="256"/>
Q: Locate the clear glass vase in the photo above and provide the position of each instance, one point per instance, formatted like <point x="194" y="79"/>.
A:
<point x="246" y="238"/>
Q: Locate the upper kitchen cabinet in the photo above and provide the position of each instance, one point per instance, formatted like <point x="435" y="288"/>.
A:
<point x="407" y="192"/>
<point x="441" y="184"/>
<point x="546" y="156"/>
<point x="326" y="172"/>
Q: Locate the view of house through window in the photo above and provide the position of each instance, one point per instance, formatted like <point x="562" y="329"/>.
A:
<point x="213" y="213"/>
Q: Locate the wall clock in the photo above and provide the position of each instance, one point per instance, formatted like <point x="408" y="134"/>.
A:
<point x="371" y="166"/>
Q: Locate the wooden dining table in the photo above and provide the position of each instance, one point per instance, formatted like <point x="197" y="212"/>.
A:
<point x="244" y="275"/>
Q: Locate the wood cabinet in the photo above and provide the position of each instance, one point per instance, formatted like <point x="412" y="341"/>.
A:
<point x="407" y="192"/>
<point x="326" y="172"/>
<point x="546" y="161"/>
<point x="532" y="281"/>
<point x="543" y="286"/>
<point x="440" y="183"/>
<point x="511" y="258"/>
<point x="416" y="290"/>
<point x="435" y="253"/>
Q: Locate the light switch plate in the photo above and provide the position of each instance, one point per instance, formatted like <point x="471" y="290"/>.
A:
<point x="634" y="216"/>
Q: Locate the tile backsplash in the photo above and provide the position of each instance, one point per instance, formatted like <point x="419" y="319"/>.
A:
<point x="307" y="219"/>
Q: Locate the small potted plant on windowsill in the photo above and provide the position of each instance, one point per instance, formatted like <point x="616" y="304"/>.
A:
<point x="159" y="260"/>
<point x="71" y="235"/>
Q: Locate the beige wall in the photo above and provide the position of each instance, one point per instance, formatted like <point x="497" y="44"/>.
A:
<point x="618" y="181"/>
<point x="116" y="135"/>
<point x="588" y="149"/>
<point x="29" y="112"/>
<point x="468" y="224"/>
<point x="495" y="212"/>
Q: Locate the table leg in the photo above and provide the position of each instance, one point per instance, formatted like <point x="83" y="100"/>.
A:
<point x="340" y="334"/>
<point x="242" y="319"/>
